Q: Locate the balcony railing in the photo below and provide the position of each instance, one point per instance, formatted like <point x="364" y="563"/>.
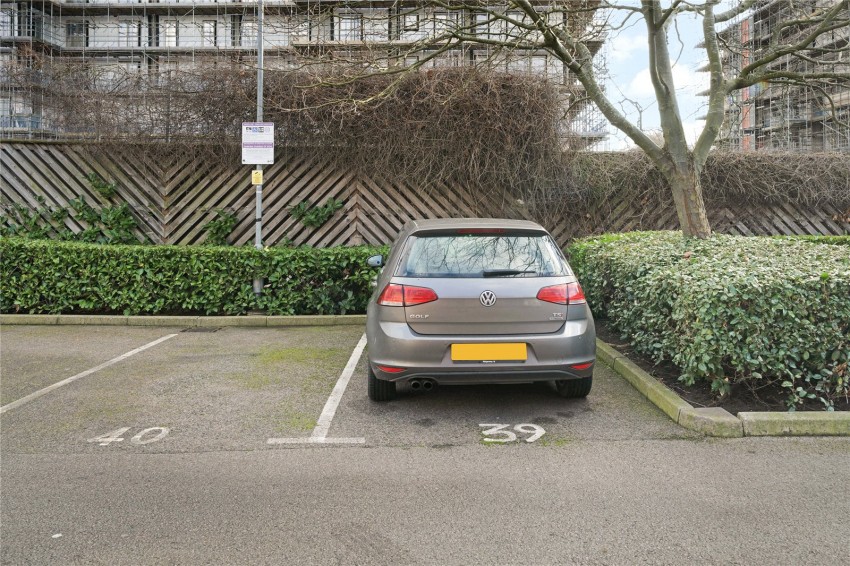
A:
<point x="21" y="122"/>
<point x="32" y="33"/>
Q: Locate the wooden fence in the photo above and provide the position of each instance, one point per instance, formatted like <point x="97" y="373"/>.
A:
<point x="174" y="199"/>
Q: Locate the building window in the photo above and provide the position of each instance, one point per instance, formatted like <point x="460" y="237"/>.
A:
<point x="235" y="31"/>
<point x="517" y="63"/>
<point x="539" y="65"/>
<point x="313" y="29"/>
<point x="480" y="24"/>
<point x="210" y="33"/>
<point x="77" y="34"/>
<point x="129" y="33"/>
<point x="170" y="34"/>
<point x="445" y="22"/>
<point x="410" y="22"/>
<point x="350" y="27"/>
<point x="449" y="59"/>
<point x="512" y="30"/>
<point x="403" y="21"/>
<point x="7" y="22"/>
<point x="249" y="33"/>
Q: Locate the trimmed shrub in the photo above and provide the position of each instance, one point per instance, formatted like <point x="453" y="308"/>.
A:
<point x="62" y="277"/>
<point x="103" y="225"/>
<point x="831" y="240"/>
<point x="729" y="310"/>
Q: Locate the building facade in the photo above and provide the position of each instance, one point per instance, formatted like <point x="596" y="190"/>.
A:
<point x="127" y="39"/>
<point x="771" y="116"/>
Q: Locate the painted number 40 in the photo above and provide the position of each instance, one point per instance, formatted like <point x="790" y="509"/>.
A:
<point x="144" y="437"/>
<point x="503" y="435"/>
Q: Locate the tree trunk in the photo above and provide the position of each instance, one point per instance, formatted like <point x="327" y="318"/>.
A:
<point x="687" y="195"/>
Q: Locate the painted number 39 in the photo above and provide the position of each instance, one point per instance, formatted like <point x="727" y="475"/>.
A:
<point x="144" y="437"/>
<point x="503" y="435"/>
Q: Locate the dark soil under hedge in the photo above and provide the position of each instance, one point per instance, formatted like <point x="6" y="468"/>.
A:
<point x="770" y="398"/>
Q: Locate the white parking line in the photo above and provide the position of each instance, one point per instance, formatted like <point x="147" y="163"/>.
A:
<point x="49" y="388"/>
<point x="311" y="440"/>
<point x="323" y="425"/>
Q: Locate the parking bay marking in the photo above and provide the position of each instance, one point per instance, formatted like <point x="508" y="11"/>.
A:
<point x="117" y="436"/>
<point x="49" y="388"/>
<point x="323" y="425"/>
<point x="500" y="429"/>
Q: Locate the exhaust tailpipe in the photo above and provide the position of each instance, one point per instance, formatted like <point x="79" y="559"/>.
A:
<point x="423" y="384"/>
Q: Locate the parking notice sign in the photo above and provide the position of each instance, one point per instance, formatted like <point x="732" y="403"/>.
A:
<point x="257" y="143"/>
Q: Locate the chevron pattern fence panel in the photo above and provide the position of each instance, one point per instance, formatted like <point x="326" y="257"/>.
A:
<point x="623" y="215"/>
<point x="174" y="199"/>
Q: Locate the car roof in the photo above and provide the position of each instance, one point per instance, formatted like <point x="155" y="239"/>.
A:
<point x="449" y="223"/>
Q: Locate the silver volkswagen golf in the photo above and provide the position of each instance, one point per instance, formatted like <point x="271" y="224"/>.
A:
<point x="462" y="301"/>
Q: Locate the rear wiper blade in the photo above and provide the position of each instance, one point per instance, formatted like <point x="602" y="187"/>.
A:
<point x="504" y="272"/>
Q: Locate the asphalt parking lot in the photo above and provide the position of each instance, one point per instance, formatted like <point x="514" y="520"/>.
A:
<point x="237" y="388"/>
<point x="249" y="445"/>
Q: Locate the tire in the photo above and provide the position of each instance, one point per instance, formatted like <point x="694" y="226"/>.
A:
<point x="380" y="390"/>
<point x="574" y="388"/>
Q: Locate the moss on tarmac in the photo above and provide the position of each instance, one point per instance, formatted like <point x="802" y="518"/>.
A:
<point x="229" y="389"/>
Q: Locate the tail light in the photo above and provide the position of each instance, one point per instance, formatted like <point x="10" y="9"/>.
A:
<point x="392" y="296"/>
<point x="395" y="295"/>
<point x="575" y="296"/>
<point x="418" y="295"/>
<point x="563" y="294"/>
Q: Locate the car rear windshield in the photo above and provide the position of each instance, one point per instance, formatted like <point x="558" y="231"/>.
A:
<point x="479" y="255"/>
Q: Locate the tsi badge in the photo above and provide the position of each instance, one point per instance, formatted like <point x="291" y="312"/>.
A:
<point x="419" y="316"/>
<point x="557" y="316"/>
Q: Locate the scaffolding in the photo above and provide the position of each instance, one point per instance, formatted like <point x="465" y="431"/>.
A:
<point x="785" y="116"/>
<point x="149" y="42"/>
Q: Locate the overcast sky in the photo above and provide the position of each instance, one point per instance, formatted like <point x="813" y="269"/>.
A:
<point x="628" y="66"/>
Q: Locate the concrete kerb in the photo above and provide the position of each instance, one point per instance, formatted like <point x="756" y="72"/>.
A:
<point x="662" y="397"/>
<point x="714" y="421"/>
<point x="34" y="319"/>
<point x="324" y="320"/>
<point x="184" y="321"/>
<point x="88" y="320"/>
<point x="802" y="423"/>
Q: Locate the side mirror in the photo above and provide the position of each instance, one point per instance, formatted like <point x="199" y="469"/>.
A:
<point x="375" y="261"/>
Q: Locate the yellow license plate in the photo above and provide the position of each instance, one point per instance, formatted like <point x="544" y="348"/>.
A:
<point x="489" y="352"/>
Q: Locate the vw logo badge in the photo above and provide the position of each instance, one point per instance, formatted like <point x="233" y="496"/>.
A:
<point x="488" y="298"/>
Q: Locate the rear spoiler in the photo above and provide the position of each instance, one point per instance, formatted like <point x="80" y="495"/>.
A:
<point x="479" y="230"/>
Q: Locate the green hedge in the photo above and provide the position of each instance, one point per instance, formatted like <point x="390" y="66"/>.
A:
<point x="831" y="240"/>
<point x="62" y="277"/>
<point x="729" y="310"/>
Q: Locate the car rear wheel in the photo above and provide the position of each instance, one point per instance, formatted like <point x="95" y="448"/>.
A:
<point x="380" y="390"/>
<point x="574" y="388"/>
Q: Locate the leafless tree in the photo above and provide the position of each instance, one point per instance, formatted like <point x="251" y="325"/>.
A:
<point x="553" y="29"/>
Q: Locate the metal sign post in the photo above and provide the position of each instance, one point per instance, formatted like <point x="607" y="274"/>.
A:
<point x="258" y="150"/>
<point x="258" y="221"/>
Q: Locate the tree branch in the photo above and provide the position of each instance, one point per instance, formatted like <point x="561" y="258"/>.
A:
<point x="666" y="14"/>
<point x="826" y="24"/>
<point x="716" y="107"/>
<point x="661" y="75"/>
<point x="579" y="60"/>
<point x="732" y="12"/>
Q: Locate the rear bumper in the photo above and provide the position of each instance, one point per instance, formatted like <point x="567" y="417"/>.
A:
<point x="470" y="378"/>
<point x="550" y="356"/>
